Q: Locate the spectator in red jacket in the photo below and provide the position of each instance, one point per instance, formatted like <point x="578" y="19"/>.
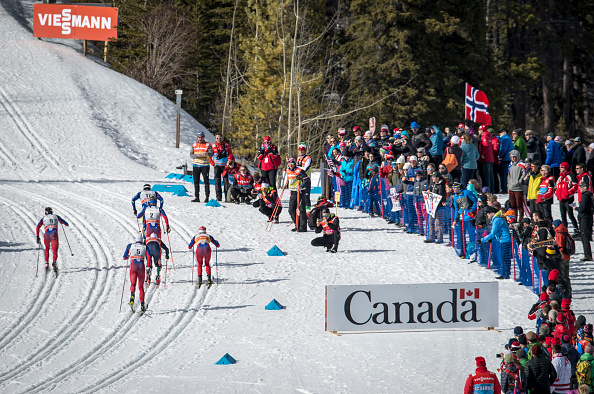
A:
<point x="482" y="380"/>
<point x="546" y="191"/>
<point x="268" y="161"/>
<point x="583" y="176"/>
<point x="487" y="157"/>
<point x="222" y="154"/>
<point x="567" y="186"/>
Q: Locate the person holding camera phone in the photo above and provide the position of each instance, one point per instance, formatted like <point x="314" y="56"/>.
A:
<point x="268" y="161"/>
<point x="222" y="155"/>
<point x="330" y="225"/>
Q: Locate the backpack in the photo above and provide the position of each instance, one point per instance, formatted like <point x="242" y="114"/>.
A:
<point x="464" y="202"/>
<point x="517" y="380"/>
<point x="584" y="373"/>
<point x="569" y="247"/>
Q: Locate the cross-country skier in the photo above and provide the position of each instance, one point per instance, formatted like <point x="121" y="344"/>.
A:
<point x="145" y="196"/>
<point x="50" y="235"/>
<point x="202" y="241"/>
<point x="330" y="225"/>
<point x="154" y="246"/>
<point x="137" y="253"/>
<point x="295" y="179"/>
<point x="151" y="219"/>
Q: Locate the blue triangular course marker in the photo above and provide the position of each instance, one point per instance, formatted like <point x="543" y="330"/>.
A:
<point x="171" y="176"/>
<point x="226" y="360"/>
<point x="188" y="178"/>
<point x="274" y="305"/>
<point x="213" y="203"/>
<point x="275" y="251"/>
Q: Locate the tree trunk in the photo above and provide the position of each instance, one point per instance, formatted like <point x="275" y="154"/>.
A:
<point x="568" y="119"/>
<point x="548" y="106"/>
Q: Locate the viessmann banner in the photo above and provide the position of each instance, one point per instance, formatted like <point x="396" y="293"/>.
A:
<point x="405" y="307"/>
<point x="75" y="21"/>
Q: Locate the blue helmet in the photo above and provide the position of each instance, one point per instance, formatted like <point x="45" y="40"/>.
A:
<point x="153" y="201"/>
<point x="200" y="134"/>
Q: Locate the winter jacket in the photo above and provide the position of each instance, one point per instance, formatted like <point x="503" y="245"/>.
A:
<point x="420" y="140"/>
<point x="439" y="188"/>
<point x="579" y="155"/>
<point x="585" y="207"/>
<point x="563" y="368"/>
<point x="566" y="186"/>
<point x="516" y="173"/>
<point x="520" y="146"/>
<point x="554" y="154"/>
<point x="222" y="153"/>
<point x="481" y="219"/>
<point x="499" y="230"/>
<point x="470" y="156"/>
<point x="420" y="186"/>
<point x="560" y="232"/>
<point x="508" y="382"/>
<point x="496" y="145"/>
<point x="533" y="186"/>
<point x="546" y="190"/>
<point x="505" y="147"/>
<point x="540" y="374"/>
<point x="584" y="177"/>
<point x="533" y="149"/>
<point x="268" y="158"/>
<point x="437" y="142"/>
<point x="572" y="355"/>
<point x="411" y="177"/>
<point x="482" y="381"/>
<point x="463" y="214"/>
<point x="486" y="148"/>
<point x="346" y="170"/>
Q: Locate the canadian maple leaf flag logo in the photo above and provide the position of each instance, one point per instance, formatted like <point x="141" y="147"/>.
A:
<point x="468" y="293"/>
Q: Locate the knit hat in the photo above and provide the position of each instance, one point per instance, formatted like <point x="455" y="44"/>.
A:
<point x="555" y="341"/>
<point x="496" y="205"/>
<point x="267" y="138"/>
<point x="554" y="276"/>
<point x="490" y="210"/>
<point x="556" y="223"/>
<point x="522" y="339"/>
<point x="544" y="297"/>
<point x="401" y="159"/>
<point x="558" y="139"/>
<point x="531" y="336"/>
<point x="580" y="321"/>
<point x="455" y="140"/>
<point x="483" y="198"/>
<point x="518" y="330"/>
<point x="406" y="166"/>
<point x="385" y="127"/>
<point x="291" y="160"/>
<point x="554" y="297"/>
<point x="356" y="128"/>
<point x="486" y="189"/>
<point x="414" y="125"/>
<point x="374" y="168"/>
<point x="515" y="346"/>
<point x="508" y="358"/>
<point x="565" y="303"/>
<point x="548" y="341"/>
<point x="552" y="135"/>
<point x="480" y="362"/>
<point x="535" y="350"/>
<point x="413" y="158"/>
<point x="342" y="145"/>
<point x="368" y="133"/>
<point x="389" y="155"/>
<point x="564" y="165"/>
<point x="560" y="318"/>
<point x="565" y="338"/>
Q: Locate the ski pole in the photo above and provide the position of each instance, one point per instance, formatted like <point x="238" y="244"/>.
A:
<point x="123" y="287"/>
<point x="217" y="263"/>
<point x="171" y="251"/>
<point x="68" y="243"/>
<point x="276" y="207"/>
<point x="38" y="250"/>
<point x="193" y="257"/>
<point x="166" y="264"/>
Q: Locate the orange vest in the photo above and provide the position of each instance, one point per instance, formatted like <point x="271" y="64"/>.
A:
<point x="326" y="228"/>
<point x="202" y="150"/>
<point x="243" y="180"/>
<point x="293" y="178"/>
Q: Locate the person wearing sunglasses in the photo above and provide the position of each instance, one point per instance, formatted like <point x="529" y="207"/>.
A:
<point x="201" y="156"/>
<point x="330" y="226"/>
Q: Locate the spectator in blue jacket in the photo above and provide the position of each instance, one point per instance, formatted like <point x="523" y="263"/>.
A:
<point x="554" y="154"/>
<point x="500" y="232"/>
<point x="346" y="172"/>
<point x="436" y="150"/>
<point x="470" y="156"/>
<point x="506" y="145"/>
<point x="411" y="174"/>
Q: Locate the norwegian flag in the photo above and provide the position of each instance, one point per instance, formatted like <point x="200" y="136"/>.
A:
<point x="467" y="293"/>
<point x="477" y="106"/>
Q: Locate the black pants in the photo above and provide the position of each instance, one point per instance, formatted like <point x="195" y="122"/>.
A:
<point x="307" y="192"/>
<point x="268" y="211"/>
<point x="567" y="210"/>
<point x="437" y="159"/>
<point x="586" y="233"/>
<point x="196" y="172"/>
<point x="545" y="208"/>
<point x="496" y="183"/>
<point x="327" y="240"/>
<point x="302" y="226"/>
<point x="456" y="175"/>
<point x="240" y="195"/>
<point x="533" y="207"/>
<point x="270" y="177"/>
<point x="556" y="171"/>
<point x="218" y="172"/>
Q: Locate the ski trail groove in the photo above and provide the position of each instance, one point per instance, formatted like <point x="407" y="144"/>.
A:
<point x="121" y="330"/>
<point x="27" y="130"/>
<point x="34" y="308"/>
<point x="80" y="318"/>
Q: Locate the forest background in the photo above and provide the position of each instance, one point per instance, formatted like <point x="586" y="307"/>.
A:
<point x="299" y="69"/>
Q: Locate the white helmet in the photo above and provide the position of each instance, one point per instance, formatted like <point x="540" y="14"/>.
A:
<point x="139" y="237"/>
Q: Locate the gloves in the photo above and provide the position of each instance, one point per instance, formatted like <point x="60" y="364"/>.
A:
<point x="168" y="229"/>
<point x="166" y="256"/>
<point x="38" y="241"/>
<point x="135" y="212"/>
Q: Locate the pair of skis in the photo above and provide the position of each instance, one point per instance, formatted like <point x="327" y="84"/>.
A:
<point x="47" y="269"/>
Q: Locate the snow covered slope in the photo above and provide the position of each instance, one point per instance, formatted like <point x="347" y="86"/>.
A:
<point x="83" y="139"/>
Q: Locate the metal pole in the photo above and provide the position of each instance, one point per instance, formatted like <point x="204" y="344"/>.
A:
<point x="68" y="243"/>
<point x="38" y="250"/>
<point x="178" y="94"/>
<point x="123" y="287"/>
<point x="217" y="263"/>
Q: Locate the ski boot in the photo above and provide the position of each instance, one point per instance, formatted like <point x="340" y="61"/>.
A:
<point x="276" y="220"/>
<point x="148" y="275"/>
<point x="197" y="199"/>
<point x="47" y="266"/>
<point x="158" y="280"/>
<point x="209" y="281"/>
<point x="55" y="266"/>
<point x="142" y="308"/>
<point x="334" y="249"/>
<point x="199" y="281"/>
<point x="132" y="300"/>
<point x="328" y="248"/>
